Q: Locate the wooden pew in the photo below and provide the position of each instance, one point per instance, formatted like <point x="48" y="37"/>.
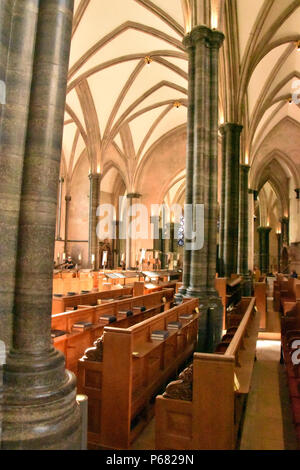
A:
<point x="211" y="420"/>
<point x="74" y="343"/>
<point x="260" y="294"/>
<point x="288" y="299"/>
<point x="61" y="304"/>
<point x="230" y="291"/>
<point x="134" y="368"/>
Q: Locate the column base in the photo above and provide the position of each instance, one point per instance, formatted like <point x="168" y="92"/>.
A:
<point x="211" y="320"/>
<point x="40" y="411"/>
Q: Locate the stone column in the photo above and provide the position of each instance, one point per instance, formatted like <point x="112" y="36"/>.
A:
<point x="204" y="176"/>
<point x="264" y="248"/>
<point x="17" y="20"/>
<point x="60" y="187"/>
<point x="131" y="240"/>
<point x="39" y="399"/>
<point x="230" y="211"/>
<point x="251" y="204"/>
<point x="285" y="230"/>
<point x="190" y="48"/>
<point x="243" y="268"/>
<point x="279" y="247"/>
<point x="94" y="202"/>
<point x="67" y="210"/>
<point x="222" y="205"/>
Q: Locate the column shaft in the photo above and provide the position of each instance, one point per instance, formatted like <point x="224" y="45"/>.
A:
<point x="205" y="173"/>
<point x="264" y="254"/>
<point x="60" y="187"/>
<point x="94" y="202"/>
<point x="35" y="379"/>
<point x="190" y="152"/>
<point x="230" y="210"/>
<point x="67" y="210"/>
<point x="243" y="268"/>
<point x="16" y="61"/>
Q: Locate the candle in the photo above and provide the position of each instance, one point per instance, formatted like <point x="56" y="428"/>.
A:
<point x="93" y="258"/>
<point x="64" y="256"/>
<point x="79" y="257"/>
<point x="123" y="257"/>
<point x="58" y="256"/>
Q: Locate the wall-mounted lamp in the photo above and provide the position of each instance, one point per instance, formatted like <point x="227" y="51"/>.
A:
<point x="148" y="60"/>
<point x="177" y="104"/>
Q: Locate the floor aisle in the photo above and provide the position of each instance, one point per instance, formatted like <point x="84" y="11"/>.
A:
<point x="268" y="421"/>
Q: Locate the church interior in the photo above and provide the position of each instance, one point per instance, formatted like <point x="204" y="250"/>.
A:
<point x="150" y="225"/>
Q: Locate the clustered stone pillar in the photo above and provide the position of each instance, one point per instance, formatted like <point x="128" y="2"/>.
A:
<point x="243" y="268"/>
<point x="264" y="253"/>
<point x="203" y="45"/>
<point x="17" y="20"/>
<point x="94" y="202"/>
<point x="131" y="237"/>
<point x="279" y="247"/>
<point x="285" y="230"/>
<point x="230" y="198"/>
<point x="39" y="395"/>
<point x="60" y="188"/>
<point x="189" y="155"/>
<point x="67" y="210"/>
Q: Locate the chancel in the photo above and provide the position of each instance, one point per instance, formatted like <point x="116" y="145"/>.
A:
<point x="149" y="225"/>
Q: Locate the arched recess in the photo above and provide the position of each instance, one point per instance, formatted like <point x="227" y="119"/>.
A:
<point x="262" y="161"/>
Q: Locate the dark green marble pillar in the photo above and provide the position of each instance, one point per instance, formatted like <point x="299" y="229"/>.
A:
<point x="58" y="223"/>
<point x="279" y="248"/>
<point x="39" y="398"/>
<point x="264" y="253"/>
<point x="190" y="48"/>
<point x="285" y="230"/>
<point x="18" y="20"/>
<point x="94" y="203"/>
<point x="204" y="172"/>
<point x="230" y="211"/>
<point x="243" y="268"/>
<point x="67" y="211"/>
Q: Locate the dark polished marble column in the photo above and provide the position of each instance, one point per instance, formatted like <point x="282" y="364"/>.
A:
<point x="67" y="211"/>
<point x="18" y="20"/>
<point x="94" y="202"/>
<point x="39" y="399"/>
<point x="58" y="224"/>
<point x="204" y="173"/>
<point x="230" y="211"/>
<point x="190" y="48"/>
<point x="279" y="247"/>
<point x="132" y="254"/>
<point x="243" y="268"/>
<point x="264" y="254"/>
<point x="285" y="230"/>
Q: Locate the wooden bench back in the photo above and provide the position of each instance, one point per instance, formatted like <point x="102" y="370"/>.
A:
<point x="210" y="420"/>
<point x="134" y="368"/>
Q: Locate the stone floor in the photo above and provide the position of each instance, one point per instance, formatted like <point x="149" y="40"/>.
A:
<point x="268" y="420"/>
